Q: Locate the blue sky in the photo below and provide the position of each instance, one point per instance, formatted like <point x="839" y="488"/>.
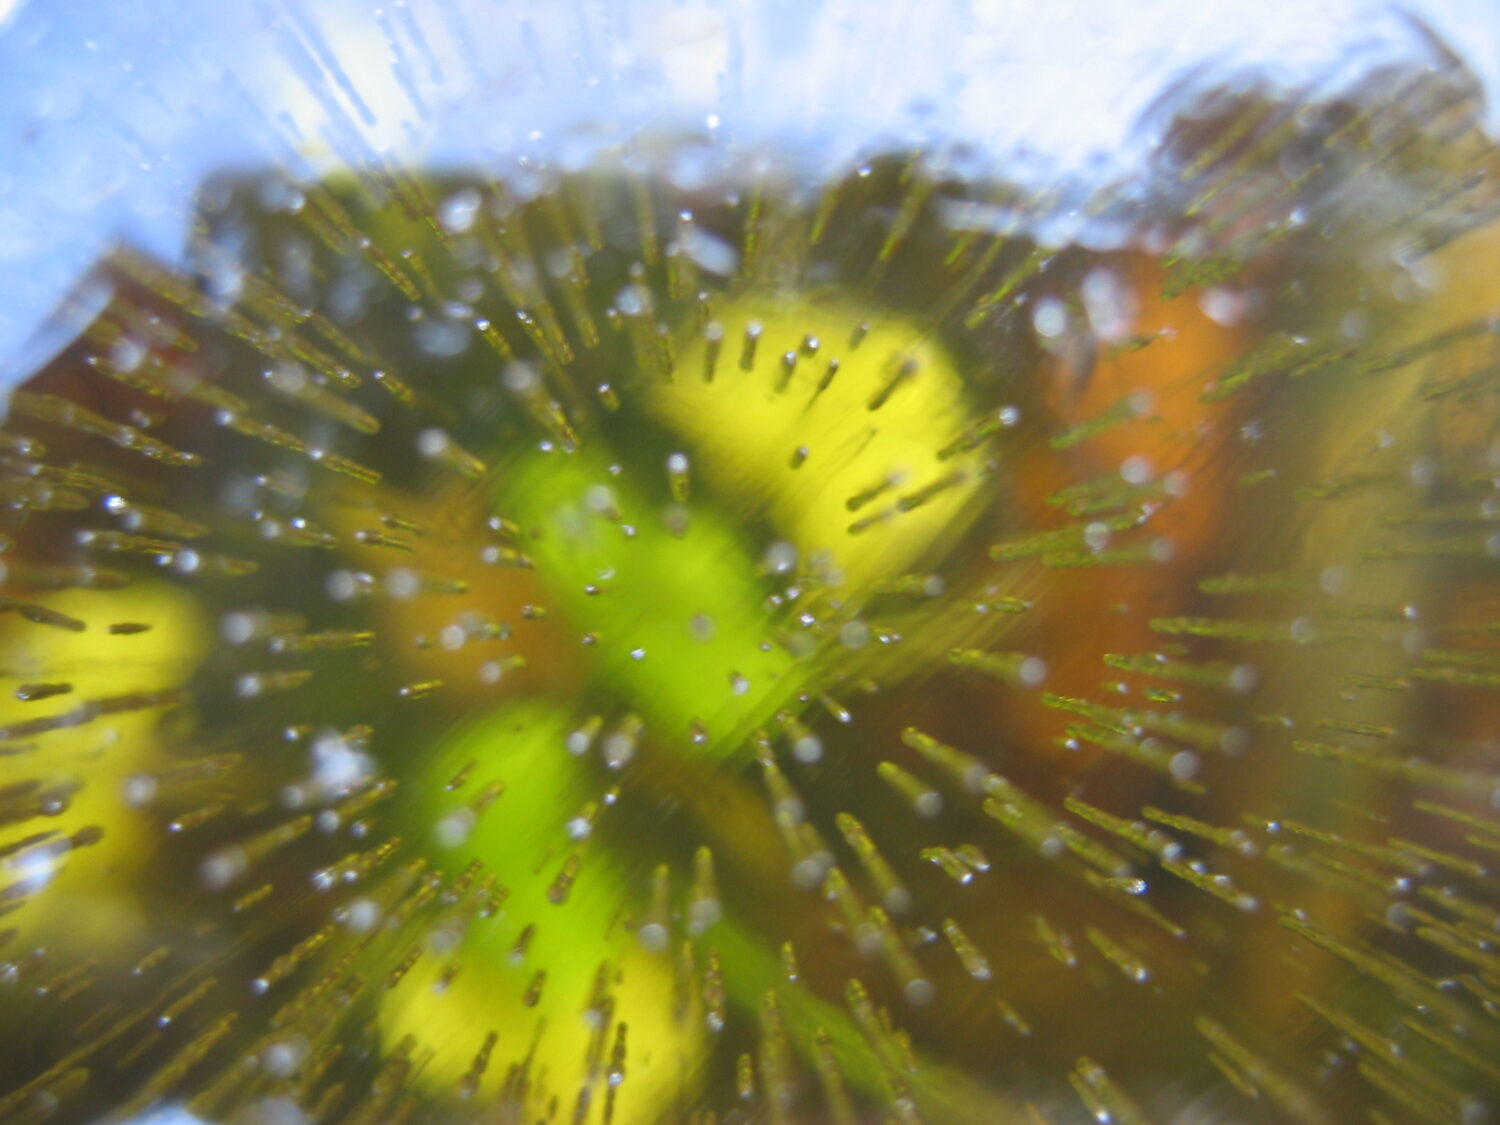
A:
<point x="111" y="113"/>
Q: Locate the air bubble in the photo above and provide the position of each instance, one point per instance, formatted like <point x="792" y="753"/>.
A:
<point x="453" y="830"/>
<point x="1050" y="318"/>
<point x="780" y="558"/>
<point x="458" y="211"/>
